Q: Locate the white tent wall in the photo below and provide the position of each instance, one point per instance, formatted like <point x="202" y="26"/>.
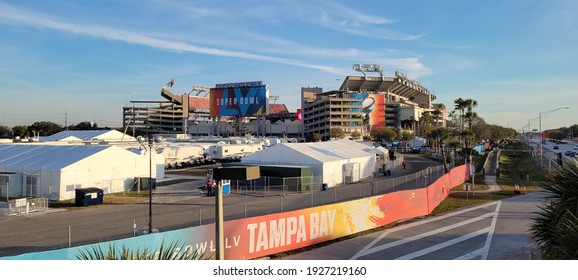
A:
<point x="11" y="184"/>
<point x="281" y="155"/>
<point x="45" y="181"/>
<point x="112" y="170"/>
<point x="326" y="158"/>
<point x="333" y="172"/>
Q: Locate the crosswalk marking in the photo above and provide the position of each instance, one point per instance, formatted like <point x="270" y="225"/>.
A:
<point x="371" y="248"/>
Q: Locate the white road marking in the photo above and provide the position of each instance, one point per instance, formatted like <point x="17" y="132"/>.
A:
<point x="486" y="250"/>
<point x="471" y="255"/>
<point x="370" y="249"/>
<point x="443" y="245"/>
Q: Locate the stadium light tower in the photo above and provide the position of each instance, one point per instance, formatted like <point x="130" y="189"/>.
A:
<point x="540" y="126"/>
<point x="363" y="68"/>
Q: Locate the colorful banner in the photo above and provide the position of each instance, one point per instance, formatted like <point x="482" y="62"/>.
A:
<point x="373" y="107"/>
<point x="256" y="237"/>
<point x="243" y="101"/>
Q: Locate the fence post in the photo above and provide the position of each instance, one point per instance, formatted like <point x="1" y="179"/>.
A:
<point x="334" y="194"/>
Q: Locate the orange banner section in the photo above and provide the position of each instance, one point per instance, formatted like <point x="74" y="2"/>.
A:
<point x="265" y="235"/>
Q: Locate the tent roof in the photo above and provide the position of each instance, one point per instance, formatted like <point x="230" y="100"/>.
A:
<point x="87" y="135"/>
<point x="376" y="150"/>
<point x="45" y="156"/>
<point x="314" y="152"/>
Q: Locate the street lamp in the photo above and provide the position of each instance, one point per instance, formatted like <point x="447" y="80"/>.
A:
<point x="149" y="148"/>
<point x="540" y="126"/>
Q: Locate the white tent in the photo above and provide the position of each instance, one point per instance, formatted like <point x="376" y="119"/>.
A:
<point x="334" y="161"/>
<point x="380" y="151"/>
<point x="88" y="135"/>
<point x="54" y="172"/>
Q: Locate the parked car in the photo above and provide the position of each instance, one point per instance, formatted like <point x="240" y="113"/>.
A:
<point x="556" y="148"/>
<point x="575" y="147"/>
<point x="569" y="153"/>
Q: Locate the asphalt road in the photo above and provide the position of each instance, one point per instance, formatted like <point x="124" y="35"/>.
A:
<point x="550" y="154"/>
<point x="178" y="206"/>
<point x="493" y="231"/>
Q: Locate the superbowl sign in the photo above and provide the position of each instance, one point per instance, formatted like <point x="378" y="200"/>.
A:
<point x="239" y="99"/>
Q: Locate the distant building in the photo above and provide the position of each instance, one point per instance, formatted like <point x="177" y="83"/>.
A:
<point x="363" y="103"/>
<point x="168" y="116"/>
<point x="360" y="104"/>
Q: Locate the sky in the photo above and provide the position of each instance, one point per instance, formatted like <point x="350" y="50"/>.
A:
<point x="73" y="61"/>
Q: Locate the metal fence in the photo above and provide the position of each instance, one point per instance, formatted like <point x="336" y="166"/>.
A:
<point x="27" y="205"/>
<point x="268" y="196"/>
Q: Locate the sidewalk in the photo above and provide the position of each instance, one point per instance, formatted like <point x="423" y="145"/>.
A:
<point x="490" y="177"/>
<point x="527" y="248"/>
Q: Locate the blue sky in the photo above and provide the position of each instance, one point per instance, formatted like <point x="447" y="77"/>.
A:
<point x="87" y="59"/>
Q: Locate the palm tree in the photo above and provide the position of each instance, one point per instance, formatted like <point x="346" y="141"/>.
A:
<point x="437" y="114"/>
<point x="555" y="229"/>
<point x="425" y="121"/>
<point x="470" y="115"/>
<point x="442" y="135"/>
<point x="461" y="105"/>
<point x="164" y="252"/>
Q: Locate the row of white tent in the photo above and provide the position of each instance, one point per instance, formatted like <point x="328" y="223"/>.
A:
<point x="54" y="171"/>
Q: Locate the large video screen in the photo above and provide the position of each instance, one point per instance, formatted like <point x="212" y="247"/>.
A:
<point x="373" y="105"/>
<point x="239" y="99"/>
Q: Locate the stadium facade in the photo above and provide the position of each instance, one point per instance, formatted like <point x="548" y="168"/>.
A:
<point x="361" y="104"/>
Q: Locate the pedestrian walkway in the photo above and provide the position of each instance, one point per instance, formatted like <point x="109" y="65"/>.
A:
<point x="490" y="177"/>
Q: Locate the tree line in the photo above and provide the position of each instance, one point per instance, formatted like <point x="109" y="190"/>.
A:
<point x="463" y="130"/>
<point x="43" y="128"/>
<point x="562" y="132"/>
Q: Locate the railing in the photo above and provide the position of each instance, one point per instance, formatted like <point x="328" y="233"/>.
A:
<point x="21" y="206"/>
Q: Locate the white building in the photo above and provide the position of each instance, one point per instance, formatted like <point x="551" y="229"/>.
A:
<point x="54" y="172"/>
<point x="335" y="162"/>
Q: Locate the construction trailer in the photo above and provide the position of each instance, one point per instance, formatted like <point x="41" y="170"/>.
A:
<point x="227" y="152"/>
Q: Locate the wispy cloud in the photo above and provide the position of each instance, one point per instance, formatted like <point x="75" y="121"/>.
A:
<point x="356" y="16"/>
<point x="16" y="15"/>
<point x="412" y="66"/>
<point x="348" y="20"/>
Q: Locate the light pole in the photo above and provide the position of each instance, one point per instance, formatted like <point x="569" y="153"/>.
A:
<point x="149" y="148"/>
<point x="540" y="127"/>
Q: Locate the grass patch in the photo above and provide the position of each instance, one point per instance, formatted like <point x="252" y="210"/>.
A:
<point x="518" y="168"/>
<point x="457" y="200"/>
